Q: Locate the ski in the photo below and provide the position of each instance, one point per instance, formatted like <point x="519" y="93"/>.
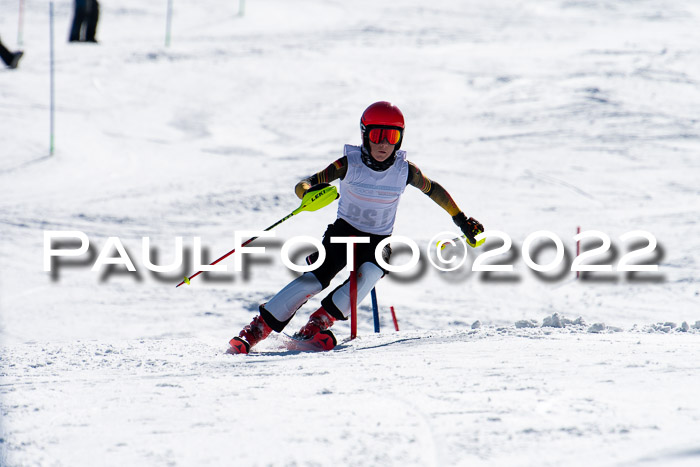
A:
<point x="321" y="342"/>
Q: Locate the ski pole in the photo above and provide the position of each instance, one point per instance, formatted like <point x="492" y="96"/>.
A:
<point x="20" y="23"/>
<point x="168" y="22"/>
<point x="52" y="81"/>
<point x="312" y="201"/>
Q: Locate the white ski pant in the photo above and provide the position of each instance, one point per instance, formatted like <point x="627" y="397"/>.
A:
<point x="288" y="300"/>
<point x="368" y="274"/>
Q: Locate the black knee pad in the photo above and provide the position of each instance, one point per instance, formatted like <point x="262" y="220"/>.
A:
<point x="271" y="321"/>
<point x="329" y="306"/>
<point x="386" y="254"/>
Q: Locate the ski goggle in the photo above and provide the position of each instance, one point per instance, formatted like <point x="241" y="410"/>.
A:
<point x="377" y="135"/>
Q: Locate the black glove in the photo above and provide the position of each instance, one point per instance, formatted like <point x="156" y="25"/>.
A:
<point x="469" y="227"/>
<point x="317" y="187"/>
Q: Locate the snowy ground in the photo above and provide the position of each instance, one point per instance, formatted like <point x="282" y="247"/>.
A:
<point x="544" y="115"/>
<point x="425" y="398"/>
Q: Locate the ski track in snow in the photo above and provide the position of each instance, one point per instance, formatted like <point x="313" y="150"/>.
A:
<point x="535" y="116"/>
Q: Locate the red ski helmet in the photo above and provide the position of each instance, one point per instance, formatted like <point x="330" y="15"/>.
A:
<point x="382" y="115"/>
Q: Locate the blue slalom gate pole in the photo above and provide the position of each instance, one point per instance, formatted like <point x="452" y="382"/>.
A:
<point x="375" y="309"/>
<point x="51" y="73"/>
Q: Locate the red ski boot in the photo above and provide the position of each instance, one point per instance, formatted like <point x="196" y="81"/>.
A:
<point x="319" y="321"/>
<point x="253" y="333"/>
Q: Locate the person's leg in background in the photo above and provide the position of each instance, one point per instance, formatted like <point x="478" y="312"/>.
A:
<point x="93" y="15"/>
<point x="79" y="14"/>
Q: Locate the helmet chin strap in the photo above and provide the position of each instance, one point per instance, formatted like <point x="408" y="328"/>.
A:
<point x="373" y="163"/>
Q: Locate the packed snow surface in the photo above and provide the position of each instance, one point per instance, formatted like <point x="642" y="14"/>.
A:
<point x="535" y="116"/>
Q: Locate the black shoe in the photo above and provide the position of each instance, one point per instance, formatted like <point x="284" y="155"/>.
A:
<point x="15" y="59"/>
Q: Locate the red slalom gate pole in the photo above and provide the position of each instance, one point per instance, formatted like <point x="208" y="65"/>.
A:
<point x="353" y="297"/>
<point x="578" y="248"/>
<point x="393" y="316"/>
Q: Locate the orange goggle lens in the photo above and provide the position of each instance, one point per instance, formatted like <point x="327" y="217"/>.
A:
<point x="377" y="135"/>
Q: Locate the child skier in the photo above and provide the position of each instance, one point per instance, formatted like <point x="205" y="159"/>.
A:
<point x="372" y="179"/>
